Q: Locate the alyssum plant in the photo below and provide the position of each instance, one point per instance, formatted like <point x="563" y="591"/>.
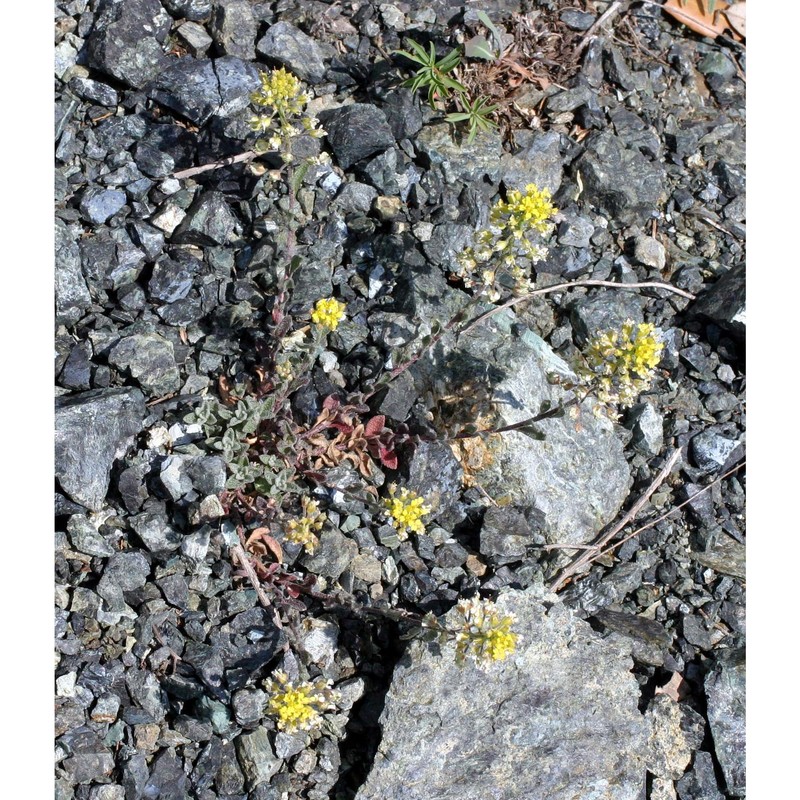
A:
<point x="273" y="459"/>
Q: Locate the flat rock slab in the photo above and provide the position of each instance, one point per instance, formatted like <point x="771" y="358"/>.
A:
<point x="92" y="429"/>
<point x="725" y="689"/>
<point x="558" y="720"/>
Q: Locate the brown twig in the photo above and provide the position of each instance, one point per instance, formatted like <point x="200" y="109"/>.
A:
<point x="560" y="287"/>
<point x="591" y="555"/>
<point x="248" y="155"/>
<point x="672" y="510"/>
<point x="244" y="562"/>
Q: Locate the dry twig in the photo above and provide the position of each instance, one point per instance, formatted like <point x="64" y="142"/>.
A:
<point x="588" y="556"/>
<point x="248" y="155"/>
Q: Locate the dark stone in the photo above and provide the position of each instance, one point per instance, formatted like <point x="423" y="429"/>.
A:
<point x="435" y="474"/>
<point x="699" y="782"/>
<point x="617" y="69"/>
<point x="195" y="10"/>
<point x="150" y="359"/>
<point x="577" y="20"/>
<point x="94" y="91"/>
<point x="134" y="776"/>
<point x="333" y="556"/>
<point x="77" y="370"/>
<point x="725" y="689"/>
<point x="294" y="50"/>
<point x="207" y="765"/>
<point x="712" y="451"/>
<point x="403" y="113"/>
<point x="538" y="160"/>
<point x="167" y="779"/>
<point x="208" y="222"/>
<point x="356" y="132"/>
<point x="89" y="766"/>
<point x="155" y="531"/>
<point x="201" y="88"/>
<point x="603" y="311"/>
<point x="505" y="534"/>
<point x="731" y="178"/>
<point x="234" y="29"/>
<point x="725" y="302"/>
<point x="97" y="205"/>
<point x="148" y="238"/>
<point x="622" y="183"/>
<point x="153" y="162"/>
<point x="256" y="757"/>
<point x="173" y="277"/>
<point x="91" y="428"/>
<point x="127" y="38"/>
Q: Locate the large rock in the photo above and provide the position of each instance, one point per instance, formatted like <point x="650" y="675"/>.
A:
<point x="294" y="50"/>
<point x="556" y="720"/>
<point x="92" y="430"/>
<point x="127" y="40"/>
<point x="356" y="132"/>
<point x="725" y="302"/>
<point x="538" y="161"/>
<point x="461" y="160"/>
<point x="725" y="690"/>
<point x="620" y="182"/>
<point x="150" y="358"/>
<point x="201" y="88"/>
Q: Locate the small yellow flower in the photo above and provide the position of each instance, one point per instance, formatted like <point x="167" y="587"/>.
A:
<point x="328" y="313"/>
<point x="620" y="365"/>
<point x="304" y="530"/>
<point x="406" y="512"/>
<point x="486" y="634"/>
<point x="299" y="707"/>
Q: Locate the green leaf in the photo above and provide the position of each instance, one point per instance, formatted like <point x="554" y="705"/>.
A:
<point x="478" y="47"/>
<point x="450" y="61"/>
<point x="484" y="18"/>
<point x="532" y="431"/>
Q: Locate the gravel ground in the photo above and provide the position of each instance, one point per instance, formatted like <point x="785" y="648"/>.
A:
<point x="179" y="439"/>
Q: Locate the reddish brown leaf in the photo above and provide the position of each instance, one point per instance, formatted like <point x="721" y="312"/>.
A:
<point x="331" y="402"/>
<point x="695" y="16"/>
<point x="674" y="688"/>
<point x="736" y="17"/>
<point x="375" y="426"/>
<point x="388" y="458"/>
<point x="225" y="394"/>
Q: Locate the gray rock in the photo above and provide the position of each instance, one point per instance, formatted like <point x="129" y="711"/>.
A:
<point x="294" y="50"/>
<point x="725" y="690"/>
<point x="202" y="88"/>
<point x="505" y="533"/>
<point x="676" y="731"/>
<point x="356" y="132"/>
<point x="173" y="278"/>
<point x="72" y="293"/>
<point x="461" y="160"/>
<point x="87" y="767"/>
<point x="208" y="222"/>
<point x="333" y="556"/>
<point x="248" y="707"/>
<point x="700" y="783"/>
<point x="621" y="183"/>
<point x="558" y="719"/>
<point x="196" y="38"/>
<point x="538" y="161"/>
<point x="153" y="162"/>
<point x="320" y="639"/>
<point x="712" y="451"/>
<point x="577" y="20"/>
<point x="256" y="757"/>
<point x="92" y="430"/>
<point x="725" y="555"/>
<point x="94" y="91"/>
<point x="647" y="425"/>
<point x="150" y="359"/>
<point x="575" y="230"/>
<point x="603" y="311"/>
<point x="569" y="99"/>
<point x="617" y="68"/>
<point x="195" y="10"/>
<point x="167" y="779"/>
<point x="725" y="302"/>
<point x="110" y="791"/>
<point x="126" y="40"/>
<point x="288" y="744"/>
<point x="85" y="537"/>
<point x="97" y="205"/>
<point x="435" y="474"/>
<point x="156" y="533"/>
<point x="649" y="251"/>
<point x="234" y="28"/>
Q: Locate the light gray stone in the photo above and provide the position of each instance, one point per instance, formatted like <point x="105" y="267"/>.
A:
<point x="256" y="757"/>
<point x="461" y="160"/>
<point x="92" y="430"/>
<point x="150" y="359"/>
<point x="676" y="731"/>
<point x="725" y="690"/>
<point x="557" y="720"/>
<point x="72" y="293"/>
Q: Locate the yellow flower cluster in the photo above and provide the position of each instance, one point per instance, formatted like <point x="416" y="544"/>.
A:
<point x="406" y="511"/>
<point x="304" y="530"/>
<point x="486" y="634"/>
<point x="619" y="365"/>
<point x="281" y="95"/>
<point x="328" y="313"/>
<point x="299" y="707"/>
<point x="496" y="250"/>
